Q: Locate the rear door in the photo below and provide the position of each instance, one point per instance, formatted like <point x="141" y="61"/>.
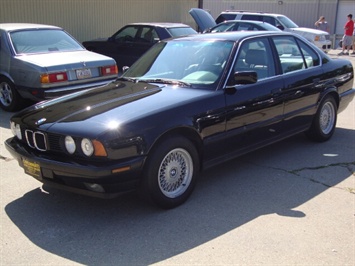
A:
<point x="300" y="66"/>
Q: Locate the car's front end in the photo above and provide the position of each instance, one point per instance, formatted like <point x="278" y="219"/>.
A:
<point x="319" y="38"/>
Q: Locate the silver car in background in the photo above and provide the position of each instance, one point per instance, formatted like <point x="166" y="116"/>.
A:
<point x="40" y="62"/>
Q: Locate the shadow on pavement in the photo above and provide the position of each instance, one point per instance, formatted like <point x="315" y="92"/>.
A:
<point x="127" y="231"/>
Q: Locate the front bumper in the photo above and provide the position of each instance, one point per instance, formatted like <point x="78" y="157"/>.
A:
<point x="326" y="46"/>
<point x="99" y="179"/>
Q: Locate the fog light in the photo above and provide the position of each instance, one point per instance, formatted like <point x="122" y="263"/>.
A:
<point x="94" y="187"/>
<point x="16" y="130"/>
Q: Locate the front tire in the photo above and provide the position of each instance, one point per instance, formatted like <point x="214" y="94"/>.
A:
<point x="171" y="171"/>
<point x="324" y="122"/>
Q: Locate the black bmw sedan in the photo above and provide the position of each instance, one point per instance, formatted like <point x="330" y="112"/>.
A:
<point x="186" y="105"/>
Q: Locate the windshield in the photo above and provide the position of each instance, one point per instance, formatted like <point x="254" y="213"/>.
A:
<point x="188" y="62"/>
<point x="43" y="41"/>
<point x="288" y="23"/>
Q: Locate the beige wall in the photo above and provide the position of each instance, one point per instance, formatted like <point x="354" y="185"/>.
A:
<point x="89" y="19"/>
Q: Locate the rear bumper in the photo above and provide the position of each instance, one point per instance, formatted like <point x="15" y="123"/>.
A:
<point x="39" y="94"/>
<point x="345" y="99"/>
<point x="99" y="179"/>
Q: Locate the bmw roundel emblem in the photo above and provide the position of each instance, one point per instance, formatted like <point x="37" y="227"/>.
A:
<point x="41" y="121"/>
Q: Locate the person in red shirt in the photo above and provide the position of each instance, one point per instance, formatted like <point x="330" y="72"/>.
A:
<point x="348" y="35"/>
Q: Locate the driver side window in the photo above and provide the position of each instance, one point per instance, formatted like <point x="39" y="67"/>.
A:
<point x="127" y="34"/>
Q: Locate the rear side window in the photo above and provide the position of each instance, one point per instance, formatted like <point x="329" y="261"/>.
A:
<point x="312" y="58"/>
<point x="252" y="17"/>
<point x="224" y="17"/>
<point x="294" y="55"/>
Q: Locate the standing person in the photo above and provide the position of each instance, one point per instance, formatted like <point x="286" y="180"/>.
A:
<point x="353" y="53"/>
<point x="322" y="24"/>
<point x="348" y="35"/>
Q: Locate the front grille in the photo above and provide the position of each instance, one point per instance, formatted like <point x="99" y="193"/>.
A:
<point x="43" y="141"/>
<point x="36" y="139"/>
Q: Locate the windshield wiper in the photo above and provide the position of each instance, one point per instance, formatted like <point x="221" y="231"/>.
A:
<point x="166" y="81"/>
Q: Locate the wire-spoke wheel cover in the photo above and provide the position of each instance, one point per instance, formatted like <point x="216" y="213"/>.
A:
<point x="175" y="173"/>
<point x="327" y="118"/>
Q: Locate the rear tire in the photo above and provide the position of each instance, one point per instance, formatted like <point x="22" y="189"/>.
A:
<point x="324" y="122"/>
<point x="171" y="171"/>
<point x="10" y="99"/>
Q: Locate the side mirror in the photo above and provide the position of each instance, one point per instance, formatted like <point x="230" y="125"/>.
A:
<point x="245" y="77"/>
<point x="125" y="68"/>
<point x="280" y="27"/>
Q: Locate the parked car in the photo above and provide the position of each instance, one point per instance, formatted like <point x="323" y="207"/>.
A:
<point x="320" y="38"/>
<point x="186" y="105"/>
<point x="133" y="40"/>
<point x="242" y="25"/>
<point x="41" y="62"/>
<point x="206" y="23"/>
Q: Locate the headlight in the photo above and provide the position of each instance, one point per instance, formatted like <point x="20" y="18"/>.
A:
<point x="16" y="130"/>
<point x="87" y="147"/>
<point x="70" y="144"/>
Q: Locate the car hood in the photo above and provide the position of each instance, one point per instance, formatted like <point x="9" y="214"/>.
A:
<point x="65" y="58"/>
<point x="309" y="30"/>
<point x="94" y="110"/>
<point x="203" y="19"/>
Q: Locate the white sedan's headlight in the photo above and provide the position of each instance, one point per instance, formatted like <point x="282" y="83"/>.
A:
<point x="87" y="147"/>
<point x="70" y="144"/>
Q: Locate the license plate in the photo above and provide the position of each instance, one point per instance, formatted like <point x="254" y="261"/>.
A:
<point x="83" y="73"/>
<point x="32" y="168"/>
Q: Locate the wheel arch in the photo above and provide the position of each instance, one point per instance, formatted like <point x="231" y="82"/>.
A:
<point x="7" y="76"/>
<point x="186" y="132"/>
<point x="330" y="92"/>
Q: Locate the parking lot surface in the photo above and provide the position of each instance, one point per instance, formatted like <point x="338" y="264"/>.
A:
<point x="292" y="203"/>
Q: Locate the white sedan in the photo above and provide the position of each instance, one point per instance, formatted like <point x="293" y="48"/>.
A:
<point x="40" y="62"/>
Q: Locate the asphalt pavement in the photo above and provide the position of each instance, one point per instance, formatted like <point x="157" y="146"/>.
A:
<point x="292" y="203"/>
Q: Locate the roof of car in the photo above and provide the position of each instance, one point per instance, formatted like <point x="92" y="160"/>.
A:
<point x="162" y="24"/>
<point x="19" y="26"/>
<point x="233" y="35"/>
<point x="246" y="21"/>
<point x="251" y="12"/>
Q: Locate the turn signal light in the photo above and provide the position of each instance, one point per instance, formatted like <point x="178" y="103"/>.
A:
<point x="99" y="148"/>
<point x="54" y="77"/>
<point x="109" y="70"/>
